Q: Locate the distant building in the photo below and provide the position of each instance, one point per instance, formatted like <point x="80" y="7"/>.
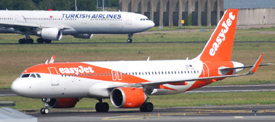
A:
<point x="201" y="12"/>
<point x="253" y="12"/>
<point x="172" y="12"/>
<point x="248" y="4"/>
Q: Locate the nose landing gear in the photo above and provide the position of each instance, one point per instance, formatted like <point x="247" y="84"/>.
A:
<point x="130" y="38"/>
<point x="45" y="110"/>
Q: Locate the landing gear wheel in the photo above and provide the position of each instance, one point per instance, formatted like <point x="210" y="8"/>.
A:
<point x="48" y="41"/>
<point x="47" y="111"/>
<point x="147" y="107"/>
<point x="22" y="41"/>
<point x="129" y="40"/>
<point x="102" y="107"/>
<point x="40" y="41"/>
<point x="29" y="41"/>
<point x="98" y="107"/>
<point x="105" y="107"/>
<point x="44" y="111"/>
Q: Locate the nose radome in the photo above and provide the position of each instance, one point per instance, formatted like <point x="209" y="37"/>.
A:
<point x="15" y="87"/>
<point x="152" y="24"/>
<point x="18" y="87"/>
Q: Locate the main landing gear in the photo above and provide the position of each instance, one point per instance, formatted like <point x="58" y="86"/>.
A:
<point x="25" y="41"/>
<point x="130" y="38"/>
<point x="40" y="41"/>
<point x="30" y="41"/>
<point x="101" y="107"/>
<point x="45" y="110"/>
<point x="147" y="107"/>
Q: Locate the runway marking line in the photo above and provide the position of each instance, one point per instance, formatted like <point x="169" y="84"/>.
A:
<point x="238" y="117"/>
<point x="116" y="118"/>
<point x="131" y="117"/>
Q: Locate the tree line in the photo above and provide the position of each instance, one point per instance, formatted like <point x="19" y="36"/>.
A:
<point x="85" y="5"/>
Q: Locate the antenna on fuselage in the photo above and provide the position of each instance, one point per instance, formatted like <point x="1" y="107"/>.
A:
<point x="51" y="61"/>
<point x="148" y="59"/>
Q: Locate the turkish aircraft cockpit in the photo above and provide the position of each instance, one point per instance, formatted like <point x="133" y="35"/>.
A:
<point x="144" y="19"/>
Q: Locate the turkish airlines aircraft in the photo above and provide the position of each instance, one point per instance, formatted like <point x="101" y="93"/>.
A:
<point x="51" y="25"/>
<point x="129" y="83"/>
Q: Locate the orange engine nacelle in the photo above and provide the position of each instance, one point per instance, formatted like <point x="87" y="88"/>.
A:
<point x="128" y="97"/>
<point x="63" y="102"/>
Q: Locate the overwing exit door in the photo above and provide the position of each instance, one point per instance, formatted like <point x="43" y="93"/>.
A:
<point x="54" y="76"/>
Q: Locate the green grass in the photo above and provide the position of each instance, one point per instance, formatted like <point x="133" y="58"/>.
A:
<point x="165" y="28"/>
<point x="178" y="100"/>
<point x="183" y="35"/>
<point x="216" y="99"/>
<point x="16" y="58"/>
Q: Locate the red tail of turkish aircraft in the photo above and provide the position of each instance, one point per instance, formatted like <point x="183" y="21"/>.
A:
<point x="219" y="46"/>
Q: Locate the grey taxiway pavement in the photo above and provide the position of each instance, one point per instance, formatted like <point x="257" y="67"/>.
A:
<point x="205" y="89"/>
<point x="252" y="113"/>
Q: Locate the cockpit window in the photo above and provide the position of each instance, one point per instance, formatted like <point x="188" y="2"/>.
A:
<point x="33" y="76"/>
<point x="25" y="75"/>
<point x="38" y="76"/>
<point x="143" y="19"/>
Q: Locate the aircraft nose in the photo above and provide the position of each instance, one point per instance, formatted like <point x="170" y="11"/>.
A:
<point x="152" y="24"/>
<point x="16" y="87"/>
<point x="20" y="87"/>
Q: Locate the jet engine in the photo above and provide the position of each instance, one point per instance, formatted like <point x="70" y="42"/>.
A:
<point x="83" y="36"/>
<point x="128" y="97"/>
<point x="50" y="34"/>
<point x="62" y="102"/>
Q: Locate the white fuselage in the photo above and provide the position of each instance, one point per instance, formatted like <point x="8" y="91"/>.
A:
<point x="87" y="84"/>
<point x="74" y="22"/>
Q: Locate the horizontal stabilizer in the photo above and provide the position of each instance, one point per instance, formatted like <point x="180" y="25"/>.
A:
<point x="249" y="66"/>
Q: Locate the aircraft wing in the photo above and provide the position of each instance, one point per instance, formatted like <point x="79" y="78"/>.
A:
<point x="31" y="25"/>
<point x="156" y="84"/>
<point x="18" y="24"/>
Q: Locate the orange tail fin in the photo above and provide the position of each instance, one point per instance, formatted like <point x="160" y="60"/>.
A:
<point x="219" y="46"/>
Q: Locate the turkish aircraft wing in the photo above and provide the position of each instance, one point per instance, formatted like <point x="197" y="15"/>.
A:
<point x="18" y="24"/>
<point x="31" y="25"/>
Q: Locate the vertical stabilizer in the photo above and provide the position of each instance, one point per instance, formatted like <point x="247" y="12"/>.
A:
<point x="219" y="46"/>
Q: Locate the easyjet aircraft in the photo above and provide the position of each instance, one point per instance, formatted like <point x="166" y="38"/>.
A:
<point x="51" y="25"/>
<point x="129" y="84"/>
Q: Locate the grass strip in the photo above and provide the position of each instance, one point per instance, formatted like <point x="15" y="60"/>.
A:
<point x="166" y="101"/>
